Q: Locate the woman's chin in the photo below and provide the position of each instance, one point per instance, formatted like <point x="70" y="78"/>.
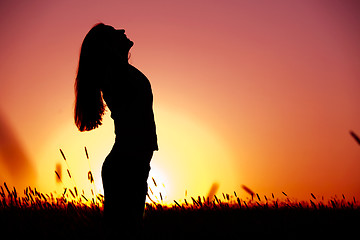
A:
<point x="131" y="43"/>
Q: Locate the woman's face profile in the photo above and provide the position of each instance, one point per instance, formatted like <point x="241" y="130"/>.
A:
<point x="121" y="42"/>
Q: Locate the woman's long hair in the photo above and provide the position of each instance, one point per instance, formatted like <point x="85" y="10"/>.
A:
<point x="95" y="56"/>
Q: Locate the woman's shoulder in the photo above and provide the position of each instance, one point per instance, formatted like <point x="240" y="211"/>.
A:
<point x="137" y="74"/>
<point x="136" y="71"/>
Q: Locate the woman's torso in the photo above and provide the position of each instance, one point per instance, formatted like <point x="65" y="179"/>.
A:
<point x="127" y="93"/>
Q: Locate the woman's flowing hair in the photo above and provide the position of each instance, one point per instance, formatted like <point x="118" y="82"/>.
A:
<point x="94" y="57"/>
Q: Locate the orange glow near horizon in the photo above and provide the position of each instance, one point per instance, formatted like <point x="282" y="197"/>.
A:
<point x="191" y="166"/>
<point x="255" y="93"/>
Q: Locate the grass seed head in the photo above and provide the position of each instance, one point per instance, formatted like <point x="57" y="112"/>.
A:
<point x="248" y="190"/>
<point x="86" y="152"/>
<point x="68" y="172"/>
<point x="7" y="189"/>
<point x="58" y="179"/>
<point x="154" y="182"/>
<point x="62" y="154"/>
<point x="90" y="177"/>
<point x="313" y="196"/>
<point x="356" y="137"/>
<point x="257" y="195"/>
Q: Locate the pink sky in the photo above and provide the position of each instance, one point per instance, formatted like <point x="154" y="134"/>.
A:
<point x="269" y="88"/>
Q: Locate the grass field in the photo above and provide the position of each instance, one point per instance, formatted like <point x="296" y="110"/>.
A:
<point x="72" y="216"/>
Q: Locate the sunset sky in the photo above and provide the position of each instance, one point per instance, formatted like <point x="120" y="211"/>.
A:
<point x="260" y="93"/>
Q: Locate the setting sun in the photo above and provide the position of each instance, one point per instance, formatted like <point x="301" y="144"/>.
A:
<point x="180" y="165"/>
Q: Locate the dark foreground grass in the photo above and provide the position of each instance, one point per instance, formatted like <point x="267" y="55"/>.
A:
<point x="254" y="223"/>
<point x="42" y="216"/>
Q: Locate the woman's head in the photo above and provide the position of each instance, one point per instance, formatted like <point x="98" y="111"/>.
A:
<point x="103" y="47"/>
<point x="105" y="44"/>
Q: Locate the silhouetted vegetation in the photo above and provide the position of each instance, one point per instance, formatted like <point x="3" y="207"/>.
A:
<point x="72" y="215"/>
<point x="223" y="216"/>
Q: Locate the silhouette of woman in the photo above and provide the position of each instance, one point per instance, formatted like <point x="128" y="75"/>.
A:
<point x="104" y="74"/>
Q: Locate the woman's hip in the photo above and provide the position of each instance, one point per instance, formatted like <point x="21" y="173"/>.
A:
<point x="126" y="164"/>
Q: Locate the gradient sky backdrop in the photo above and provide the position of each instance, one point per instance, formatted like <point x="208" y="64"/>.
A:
<point x="261" y="93"/>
